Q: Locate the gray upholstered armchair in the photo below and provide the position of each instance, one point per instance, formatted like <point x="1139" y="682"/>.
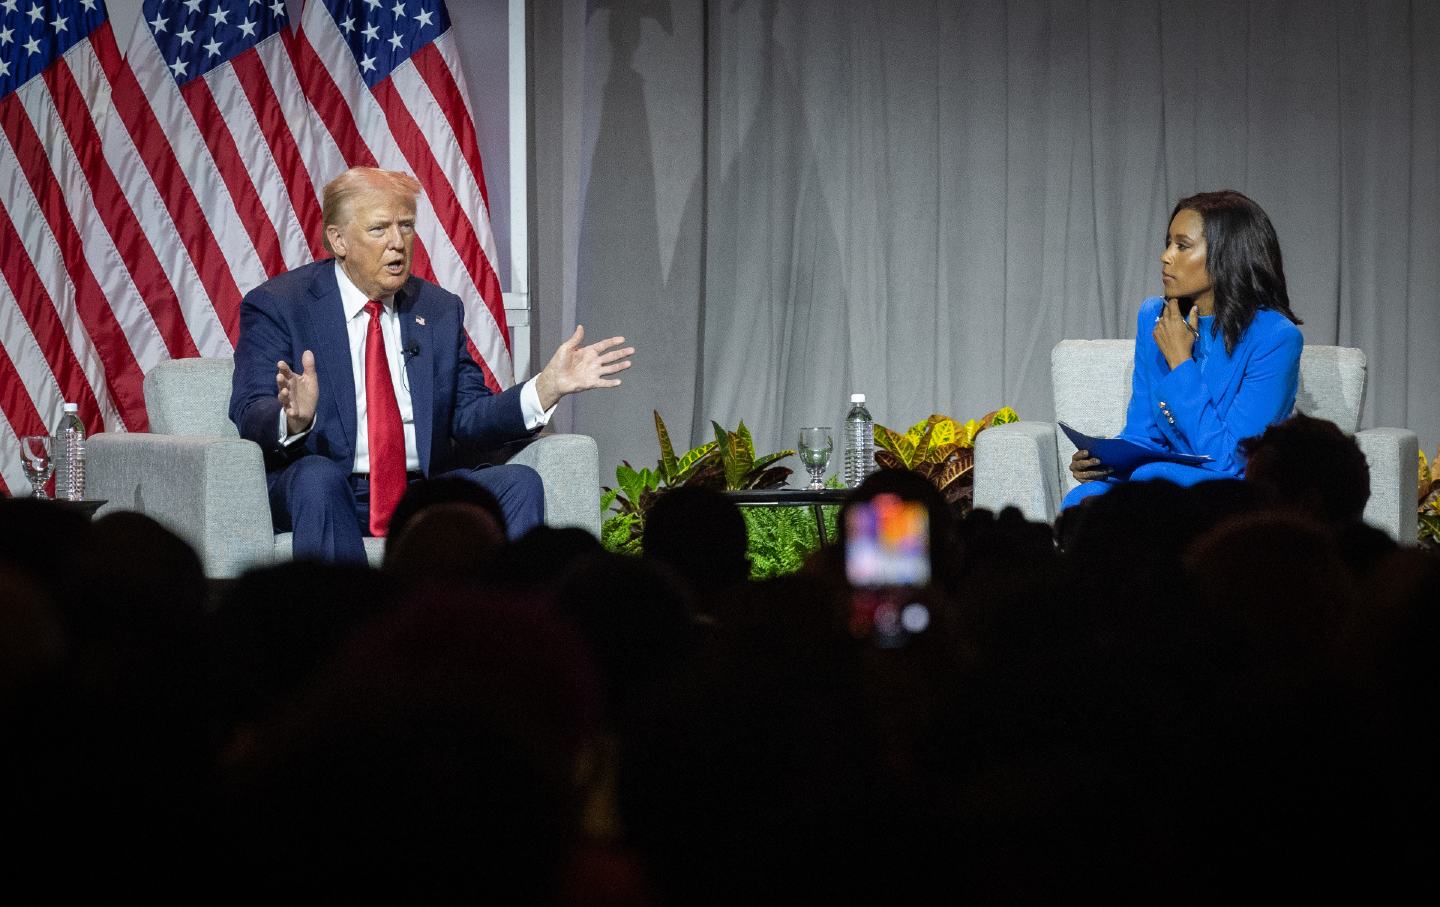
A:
<point x="1026" y="464"/>
<point x="194" y="473"/>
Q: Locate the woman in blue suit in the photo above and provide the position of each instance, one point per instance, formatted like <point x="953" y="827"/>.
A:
<point x="1218" y="358"/>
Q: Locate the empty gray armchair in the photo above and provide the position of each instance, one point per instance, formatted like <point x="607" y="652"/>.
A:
<point x="1026" y="464"/>
<point x="194" y="473"/>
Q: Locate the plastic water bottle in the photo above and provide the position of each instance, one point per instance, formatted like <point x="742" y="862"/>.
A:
<point x="859" y="442"/>
<point x="69" y="456"/>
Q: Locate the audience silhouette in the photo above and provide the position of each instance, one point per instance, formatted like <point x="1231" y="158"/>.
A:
<point x="1181" y="694"/>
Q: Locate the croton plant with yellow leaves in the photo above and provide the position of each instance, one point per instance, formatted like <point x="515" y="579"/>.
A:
<point x="1429" y="515"/>
<point x="941" y="449"/>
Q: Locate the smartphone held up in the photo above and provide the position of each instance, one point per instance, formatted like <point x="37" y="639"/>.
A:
<point x="887" y="563"/>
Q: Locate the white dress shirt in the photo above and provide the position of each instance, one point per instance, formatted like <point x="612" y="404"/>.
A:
<point x="357" y="326"/>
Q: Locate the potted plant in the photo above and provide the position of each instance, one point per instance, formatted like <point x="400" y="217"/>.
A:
<point x="941" y="449"/>
<point x="726" y="463"/>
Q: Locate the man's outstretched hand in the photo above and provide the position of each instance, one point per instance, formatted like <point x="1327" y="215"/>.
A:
<point x="576" y="368"/>
<point x="298" y="394"/>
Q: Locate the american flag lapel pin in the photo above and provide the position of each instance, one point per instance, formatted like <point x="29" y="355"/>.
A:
<point x="420" y="320"/>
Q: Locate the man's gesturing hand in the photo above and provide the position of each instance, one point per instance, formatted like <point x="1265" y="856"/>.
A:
<point x="576" y="368"/>
<point x="298" y="394"/>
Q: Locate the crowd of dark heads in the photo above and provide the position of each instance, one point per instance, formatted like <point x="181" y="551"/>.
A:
<point x="1177" y="693"/>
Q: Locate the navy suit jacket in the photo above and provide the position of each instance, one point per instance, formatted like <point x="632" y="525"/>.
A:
<point x="1210" y="408"/>
<point x="301" y="310"/>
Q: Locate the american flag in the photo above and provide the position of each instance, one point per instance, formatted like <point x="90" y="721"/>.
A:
<point x="141" y="196"/>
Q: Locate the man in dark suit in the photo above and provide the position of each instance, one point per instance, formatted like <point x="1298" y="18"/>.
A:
<point x="386" y="386"/>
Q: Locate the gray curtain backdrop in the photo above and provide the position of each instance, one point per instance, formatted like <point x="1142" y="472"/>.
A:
<point x="784" y="202"/>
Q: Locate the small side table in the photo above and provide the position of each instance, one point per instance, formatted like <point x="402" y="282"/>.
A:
<point x="791" y="497"/>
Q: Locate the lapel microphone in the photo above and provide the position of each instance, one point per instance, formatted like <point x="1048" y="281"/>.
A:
<point x="411" y="350"/>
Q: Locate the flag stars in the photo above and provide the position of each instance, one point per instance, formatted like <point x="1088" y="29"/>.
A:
<point x="6" y="36"/>
<point x="399" y="10"/>
<point x="157" y="24"/>
<point x="368" y="63"/>
<point x="60" y="24"/>
<point x="89" y="5"/>
<point x="219" y="17"/>
<point x="33" y="45"/>
<point x="4" y="68"/>
<point x="348" y="25"/>
<point x="9" y="6"/>
<point x="35" y="13"/>
<point x="247" y="28"/>
<point x="178" y="67"/>
<point x="396" y="40"/>
<point x="373" y="4"/>
<point x="213" y="47"/>
<point x="193" y="5"/>
<point x="278" y="8"/>
<point x="424" y="18"/>
<point x="372" y="31"/>
<point x="186" y="35"/>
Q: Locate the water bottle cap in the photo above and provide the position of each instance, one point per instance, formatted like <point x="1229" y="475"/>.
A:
<point x="857" y="398"/>
<point x="72" y="407"/>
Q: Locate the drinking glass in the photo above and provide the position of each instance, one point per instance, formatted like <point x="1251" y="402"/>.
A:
<point x="35" y="458"/>
<point x="815" y="446"/>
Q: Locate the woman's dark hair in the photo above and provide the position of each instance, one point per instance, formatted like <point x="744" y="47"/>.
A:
<point x="1242" y="258"/>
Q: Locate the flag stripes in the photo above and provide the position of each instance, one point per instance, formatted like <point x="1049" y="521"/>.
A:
<point x="231" y="168"/>
<point x="144" y="193"/>
<point x="270" y="125"/>
<point x="62" y="269"/>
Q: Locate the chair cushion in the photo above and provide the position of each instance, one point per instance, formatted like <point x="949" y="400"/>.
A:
<point x="1092" y="384"/>
<point x="190" y="397"/>
<point x="1332" y="385"/>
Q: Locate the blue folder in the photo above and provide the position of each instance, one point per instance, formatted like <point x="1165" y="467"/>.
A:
<point x="1123" y="456"/>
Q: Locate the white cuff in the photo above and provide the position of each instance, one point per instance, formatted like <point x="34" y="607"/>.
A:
<point x="286" y="439"/>
<point x="535" y="417"/>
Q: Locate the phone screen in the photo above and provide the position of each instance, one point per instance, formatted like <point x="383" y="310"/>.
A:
<point x="887" y="560"/>
<point x="887" y="543"/>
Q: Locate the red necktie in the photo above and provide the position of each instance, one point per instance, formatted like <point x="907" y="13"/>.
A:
<point x="386" y="434"/>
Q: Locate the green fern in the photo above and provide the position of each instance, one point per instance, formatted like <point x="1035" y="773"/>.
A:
<point x="781" y="538"/>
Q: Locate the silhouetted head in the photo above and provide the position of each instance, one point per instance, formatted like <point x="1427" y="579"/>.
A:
<point x="450" y="542"/>
<point x="1279" y="577"/>
<point x="1310" y="465"/>
<point x="434" y="757"/>
<point x="276" y="626"/>
<point x="542" y="556"/>
<point x="152" y="580"/>
<point x="38" y="537"/>
<point x="444" y="490"/>
<point x="700" y="535"/>
<point x="635" y="616"/>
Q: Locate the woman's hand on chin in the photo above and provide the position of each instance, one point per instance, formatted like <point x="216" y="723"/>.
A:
<point x="1174" y="335"/>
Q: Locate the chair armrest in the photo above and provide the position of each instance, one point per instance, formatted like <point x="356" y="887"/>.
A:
<point x="1017" y="465"/>
<point x="569" y="466"/>
<point x="208" y="490"/>
<point x="1393" y="455"/>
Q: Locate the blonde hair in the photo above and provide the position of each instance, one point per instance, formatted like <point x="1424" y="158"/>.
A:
<point x="343" y="189"/>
